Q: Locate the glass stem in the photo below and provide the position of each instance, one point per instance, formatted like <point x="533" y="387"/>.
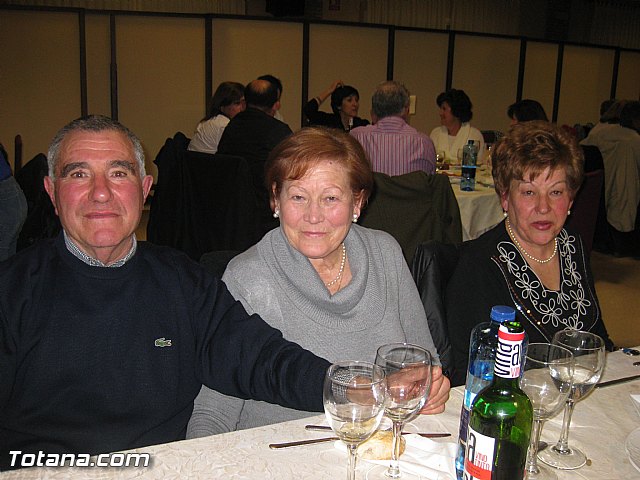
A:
<point x="394" y="468"/>
<point x="563" y="443"/>
<point x="351" y="466"/>
<point x="532" y="453"/>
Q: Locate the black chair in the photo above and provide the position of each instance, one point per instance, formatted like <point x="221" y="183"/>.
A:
<point x="432" y="267"/>
<point x="219" y="211"/>
<point x="165" y="210"/>
<point x="42" y="221"/>
<point x="586" y="207"/>
<point x="491" y="136"/>
<point x="216" y="262"/>
<point x="413" y="208"/>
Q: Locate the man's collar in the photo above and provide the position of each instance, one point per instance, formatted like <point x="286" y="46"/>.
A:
<point x="94" y="262"/>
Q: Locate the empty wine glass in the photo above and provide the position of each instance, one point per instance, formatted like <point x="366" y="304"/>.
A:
<point x="589" y="355"/>
<point x="546" y="380"/>
<point x="354" y="398"/>
<point x="408" y="370"/>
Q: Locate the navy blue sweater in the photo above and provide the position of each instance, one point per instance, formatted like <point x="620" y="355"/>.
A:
<point x="97" y="359"/>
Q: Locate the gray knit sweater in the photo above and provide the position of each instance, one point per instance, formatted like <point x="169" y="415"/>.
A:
<point x="380" y="305"/>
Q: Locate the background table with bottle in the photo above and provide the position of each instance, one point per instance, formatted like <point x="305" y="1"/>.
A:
<point x="480" y="210"/>
<point x="600" y="426"/>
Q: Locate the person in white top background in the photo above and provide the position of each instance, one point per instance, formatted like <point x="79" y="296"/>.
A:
<point x="455" y="130"/>
<point x="226" y="103"/>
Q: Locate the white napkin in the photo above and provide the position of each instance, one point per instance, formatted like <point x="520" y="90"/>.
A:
<point x="424" y="457"/>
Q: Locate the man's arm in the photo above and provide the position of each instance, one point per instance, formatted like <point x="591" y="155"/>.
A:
<point x="241" y="355"/>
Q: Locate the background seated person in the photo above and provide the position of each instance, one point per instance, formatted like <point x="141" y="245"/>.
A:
<point x="345" y="102"/>
<point x="226" y="103"/>
<point x="528" y="261"/>
<point x="334" y="287"/>
<point x="454" y="133"/>
<point x="525" y="111"/>
<point x="393" y="146"/>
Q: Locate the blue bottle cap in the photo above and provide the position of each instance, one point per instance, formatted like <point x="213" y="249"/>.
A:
<point x="502" y="313"/>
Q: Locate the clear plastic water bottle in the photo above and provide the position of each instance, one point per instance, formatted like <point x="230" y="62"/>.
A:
<point x="469" y="162"/>
<point x="482" y="353"/>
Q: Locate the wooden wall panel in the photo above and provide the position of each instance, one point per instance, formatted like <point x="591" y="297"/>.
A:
<point x="586" y="82"/>
<point x="540" y="74"/>
<point x="244" y="50"/>
<point x="160" y="77"/>
<point x="356" y="55"/>
<point x="98" y="60"/>
<point x="629" y="76"/>
<point x="486" y="68"/>
<point x="421" y="64"/>
<point x="40" y="77"/>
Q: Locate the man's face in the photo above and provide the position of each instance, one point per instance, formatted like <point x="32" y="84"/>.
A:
<point x="98" y="193"/>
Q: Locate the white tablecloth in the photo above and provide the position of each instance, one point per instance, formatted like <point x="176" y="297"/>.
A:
<point x="601" y="423"/>
<point x="480" y="210"/>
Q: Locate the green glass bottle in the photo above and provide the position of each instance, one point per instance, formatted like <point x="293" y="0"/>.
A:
<point x="501" y="416"/>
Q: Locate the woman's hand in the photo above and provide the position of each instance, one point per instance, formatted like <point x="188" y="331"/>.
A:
<point x="327" y="93"/>
<point x="440" y="387"/>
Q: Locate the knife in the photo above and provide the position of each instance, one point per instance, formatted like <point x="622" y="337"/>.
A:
<point x="329" y="439"/>
<point x="616" y="381"/>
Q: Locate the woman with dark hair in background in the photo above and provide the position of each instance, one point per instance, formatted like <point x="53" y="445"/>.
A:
<point x="455" y="131"/>
<point x="226" y="103"/>
<point x="345" y="101"/>
<point x="525" y="111"/>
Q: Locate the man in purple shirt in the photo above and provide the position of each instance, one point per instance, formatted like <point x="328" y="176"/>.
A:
<point x="394" y="147"/>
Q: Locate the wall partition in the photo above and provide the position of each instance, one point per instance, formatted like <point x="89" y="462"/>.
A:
<point x="356" y="55"/>
<point x="539" y="76"/>
<point x="420" y="62"/>
<point x="486" y="68"/>
<point x="40" y="79"/>
<point x="154" y="72"/>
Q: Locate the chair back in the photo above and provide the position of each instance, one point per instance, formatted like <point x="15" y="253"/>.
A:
<point x="586" y="206"/>
<point x="491" y="136"/>
<point x="216" y="262"/>
<point x="42" y="221"/>
<point x="431" y="268"/>
<point x="218" y="200"/>
<point x="165" y="211"/>
<point x="413" y="208"/>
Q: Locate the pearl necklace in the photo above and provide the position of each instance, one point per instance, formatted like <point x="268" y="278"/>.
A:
<point x="521" y="248"/>
<point x="341" y="269"/>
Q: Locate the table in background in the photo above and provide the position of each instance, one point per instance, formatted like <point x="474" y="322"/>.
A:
<point x="600" y="425"/>
<point x="480" y="210"/>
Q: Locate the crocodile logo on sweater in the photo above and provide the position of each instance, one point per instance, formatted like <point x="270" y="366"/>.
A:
<point x="162" y="342"/>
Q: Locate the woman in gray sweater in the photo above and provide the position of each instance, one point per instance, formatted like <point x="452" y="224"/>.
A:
<point x="334" y="287"/>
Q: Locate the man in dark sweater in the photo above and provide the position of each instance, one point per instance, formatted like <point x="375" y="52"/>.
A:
<point x="252" y="134"/>
<point x="105" y="342"/>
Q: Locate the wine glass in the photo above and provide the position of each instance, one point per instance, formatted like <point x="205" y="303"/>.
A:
<point x="548" y="370"/>
<point x="440" y="157"/>
<point x="354" y="398"/>
<point x="408" y="370"/>
<point x="589" y="355"/>
<point x="459" y="156"/>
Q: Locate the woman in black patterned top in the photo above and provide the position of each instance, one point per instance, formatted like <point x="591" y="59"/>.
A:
<point x="528" y="261"/>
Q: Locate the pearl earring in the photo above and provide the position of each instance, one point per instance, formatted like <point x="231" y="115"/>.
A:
<point x="355" y="218"/>
<point x="504" y="213"/>
<point x="276" y="214"/>
<point x="569" y="212"/>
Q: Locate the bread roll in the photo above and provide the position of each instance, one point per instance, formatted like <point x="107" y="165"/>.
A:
<point x="379" y="446"/>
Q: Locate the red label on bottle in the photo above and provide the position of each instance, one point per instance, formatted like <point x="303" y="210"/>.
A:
<point x="478" y="461"/>
<point x="508" y="353"/>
